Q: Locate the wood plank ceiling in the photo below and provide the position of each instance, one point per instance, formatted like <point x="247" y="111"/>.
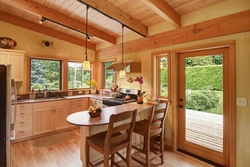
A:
<point x="137" y="15"/>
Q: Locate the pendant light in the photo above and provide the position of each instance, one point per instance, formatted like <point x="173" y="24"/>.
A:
<point x="86" y="63"/>
<point x="122" y="73"/>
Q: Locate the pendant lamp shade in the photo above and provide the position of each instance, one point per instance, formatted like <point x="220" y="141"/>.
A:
<point x="86" y="63"/>
<point x="122" y="73"/>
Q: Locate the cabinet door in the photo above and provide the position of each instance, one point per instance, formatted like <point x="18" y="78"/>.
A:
<point x="42" y="121"/>
<point x="3" y="58"/>
<point x="60" y="115"/>
<point x="17" y="60"/>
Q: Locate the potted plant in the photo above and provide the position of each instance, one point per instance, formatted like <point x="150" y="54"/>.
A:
<point x="93" y="84"/>
<point x="141" y="94"/>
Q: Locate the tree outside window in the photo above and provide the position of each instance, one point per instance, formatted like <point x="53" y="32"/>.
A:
<point x="45" y="72"/>
<point x="78" y="78"/>
<point x="108" y="75"/>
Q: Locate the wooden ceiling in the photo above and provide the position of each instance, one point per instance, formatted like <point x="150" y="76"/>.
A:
<point x="103" y="25"/>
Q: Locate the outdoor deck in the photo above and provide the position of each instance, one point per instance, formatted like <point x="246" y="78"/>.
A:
<point x="204" y="129"/>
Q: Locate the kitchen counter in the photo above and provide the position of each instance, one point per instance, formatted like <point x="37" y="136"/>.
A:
<point x="97" y="96"/>
<point x="92" y="125"/>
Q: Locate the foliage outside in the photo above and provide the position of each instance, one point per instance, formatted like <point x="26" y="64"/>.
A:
<point x="202" y="100"/>
<point x="77" y="78"/>
<point x="109" y="75"/>
<point x="163" y="77"/>
<point x="200" y="77"/>
<point x="45" y="72"/>
<point x="204" y="83"/>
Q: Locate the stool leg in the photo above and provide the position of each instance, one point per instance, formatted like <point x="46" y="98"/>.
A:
<point x="147" y="151"/>
<point x="112" y="160"/>
<point x="162" y="149"/>
<point x="86" y="153"/>
<point x="106" y="159"/>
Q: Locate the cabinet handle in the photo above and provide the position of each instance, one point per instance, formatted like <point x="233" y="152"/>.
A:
<point x="22" y="123"/>
<point x="22" y="113"/>
<point x="79" y="100"/>
<point x="80" y="105"/>
<point x="21" y="131"/>
<point x="52" y="110"/>
<point x="21" y="106"/>
<point x="55" y="110"/>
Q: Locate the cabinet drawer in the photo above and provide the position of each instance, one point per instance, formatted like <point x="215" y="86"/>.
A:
<point x="77" y="107"/>
<point x="21" y="115"/>
<point x="22" y="107"/>
<point x="78" y="101"/>
<point x="25" y="132"/>
<point x="23" y="124"/>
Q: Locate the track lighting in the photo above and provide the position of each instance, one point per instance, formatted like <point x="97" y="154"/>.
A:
<point x="42" y="20"/>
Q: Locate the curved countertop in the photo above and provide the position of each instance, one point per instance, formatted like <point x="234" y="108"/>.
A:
<point x="83" y="119"/>
<point x="96" y="96"/>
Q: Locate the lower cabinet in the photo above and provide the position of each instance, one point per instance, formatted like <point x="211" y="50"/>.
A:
<point x="50" y="116"/>
<point x="23" y="124"/>
<point x="77" y="105"/>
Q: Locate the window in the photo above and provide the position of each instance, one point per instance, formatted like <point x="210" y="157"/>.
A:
<point x="108" y="75"/>
<point x="45" y="72"/>
<point x="77" y="78"/>
<point x="161" y="75"/>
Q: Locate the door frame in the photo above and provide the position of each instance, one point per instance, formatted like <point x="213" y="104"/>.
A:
<point x="232" y="84"/>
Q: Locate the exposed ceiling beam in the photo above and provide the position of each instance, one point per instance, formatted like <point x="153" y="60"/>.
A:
<point x="230" y="24"/>
<point x="41" y="10"/>
<point x="18" y="21"/>
<point x="113" y="12"/>
<point x="162" y="8"/>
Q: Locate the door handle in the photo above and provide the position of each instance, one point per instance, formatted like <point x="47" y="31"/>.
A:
<point x="181" y="99"/>
<point x="181" y="106"/>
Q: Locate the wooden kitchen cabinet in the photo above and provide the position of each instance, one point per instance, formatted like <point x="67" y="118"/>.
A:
<point x="16" y="59"/>
<point x="80" y="104"/>
<point x="50" y="116"/>
<point x="23" y="124"/>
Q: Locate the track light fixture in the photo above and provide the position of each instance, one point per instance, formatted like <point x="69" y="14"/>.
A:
<point x="43" y="19"/>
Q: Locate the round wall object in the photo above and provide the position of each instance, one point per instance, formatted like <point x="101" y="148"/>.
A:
<point x="7" y="43"/>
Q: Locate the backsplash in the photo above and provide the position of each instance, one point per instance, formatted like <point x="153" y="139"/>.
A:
<point x="38" y="95"/>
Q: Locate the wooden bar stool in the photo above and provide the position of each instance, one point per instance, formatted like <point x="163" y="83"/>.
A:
<point x="150" y="129"/>
<point x="117" y="137"/>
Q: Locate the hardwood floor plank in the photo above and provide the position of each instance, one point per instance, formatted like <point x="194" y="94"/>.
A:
<point x="67" y="154"/>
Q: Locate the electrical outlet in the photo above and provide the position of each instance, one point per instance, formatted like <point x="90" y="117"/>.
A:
<point x="241" y="102"/>
<point x="79" y="92"/>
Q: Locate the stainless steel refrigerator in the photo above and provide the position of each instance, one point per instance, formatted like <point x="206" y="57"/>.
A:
<point x="7" y="133"/>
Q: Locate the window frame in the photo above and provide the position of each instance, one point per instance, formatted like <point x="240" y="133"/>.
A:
<point x="91" y="74"/>
<point x="156" y="74"/>
<point x="42" y="58"/>
<point x="102" y="72"/>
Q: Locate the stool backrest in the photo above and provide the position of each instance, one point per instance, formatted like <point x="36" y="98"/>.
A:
<point x="120" y="130"/>
<point x="157" y="118"/>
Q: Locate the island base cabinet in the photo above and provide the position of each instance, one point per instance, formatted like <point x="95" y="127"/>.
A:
<point x="42" y="121"/>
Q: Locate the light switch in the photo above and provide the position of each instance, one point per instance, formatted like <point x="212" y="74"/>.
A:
<point x="241" y="102"/>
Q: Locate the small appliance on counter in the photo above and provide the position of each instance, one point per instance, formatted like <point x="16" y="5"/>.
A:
<point x="124" y="96"/>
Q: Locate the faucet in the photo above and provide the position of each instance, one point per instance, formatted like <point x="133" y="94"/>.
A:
<point x="45" y="91"/>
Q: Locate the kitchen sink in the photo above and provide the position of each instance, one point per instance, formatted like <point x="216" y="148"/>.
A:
<point x="49" y="99"/>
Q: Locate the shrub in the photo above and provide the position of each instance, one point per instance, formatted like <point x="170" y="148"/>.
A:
<point x="200" y="77"/>
<point x="202" y="100"/>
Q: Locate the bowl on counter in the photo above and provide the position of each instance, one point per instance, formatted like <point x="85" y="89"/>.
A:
<point x="95" y="114"/>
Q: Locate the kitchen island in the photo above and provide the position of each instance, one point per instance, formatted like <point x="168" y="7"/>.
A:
<point x="90" y="126"/>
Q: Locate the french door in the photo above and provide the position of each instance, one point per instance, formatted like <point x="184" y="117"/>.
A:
<point x="204" y="101"/>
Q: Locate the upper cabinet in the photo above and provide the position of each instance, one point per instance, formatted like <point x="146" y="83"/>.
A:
<point x="16" y="59"/>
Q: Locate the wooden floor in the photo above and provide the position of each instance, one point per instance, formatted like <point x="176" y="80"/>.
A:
<point x="205" y="129"/>
<point x="67" y="154"/>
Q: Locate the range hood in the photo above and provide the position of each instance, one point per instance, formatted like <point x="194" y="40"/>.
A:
<point x="129" y="66"/>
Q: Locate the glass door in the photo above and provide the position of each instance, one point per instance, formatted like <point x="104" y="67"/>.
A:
<point x="202" y="114"/>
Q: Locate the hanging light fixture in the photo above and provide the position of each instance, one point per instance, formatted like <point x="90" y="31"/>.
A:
<point x="122" y="73"/>
<point x="86" y="63"/>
